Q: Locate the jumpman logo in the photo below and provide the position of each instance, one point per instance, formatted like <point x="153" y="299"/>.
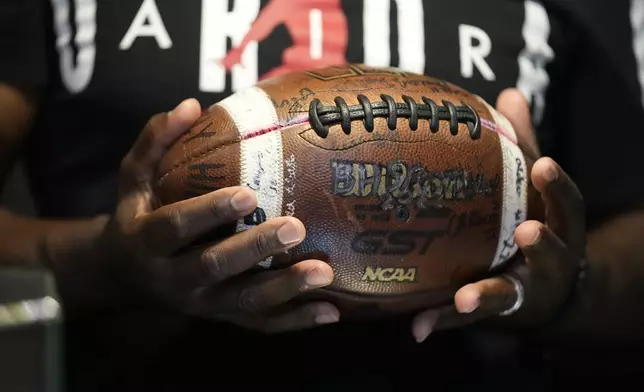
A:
<point x="318" y="29"/>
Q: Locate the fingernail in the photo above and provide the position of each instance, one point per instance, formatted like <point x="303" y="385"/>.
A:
<point x="288" y="234"/>
<point x="315" y="278"/>
<point x="242" y="201"/>
<point x="422" y="328"/>
<point x="550" y="174"/>
<point x="327" y="318"/>
<point x="473" y="306"/>
<point x="175" y="108"/>
<point x="536" y="238"/>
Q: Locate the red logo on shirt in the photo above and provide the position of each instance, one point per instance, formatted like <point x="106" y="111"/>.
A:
<point x="318" y="29"/>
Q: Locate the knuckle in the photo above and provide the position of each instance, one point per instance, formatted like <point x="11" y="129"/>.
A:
<point x="249" y="301"/>
<point x="154" y="127"/>
<point x="218" y="209"/>
<point x="178" y="224"/>
<point x="214" y="263"/>
<point x="156" y="134"/>
<point x="297" y="280"/>
<point x="130" y="170"/>
<point x="264" y="245"/>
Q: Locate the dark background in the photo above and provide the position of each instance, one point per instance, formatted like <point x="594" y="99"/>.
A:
<point x="15" y="194"/>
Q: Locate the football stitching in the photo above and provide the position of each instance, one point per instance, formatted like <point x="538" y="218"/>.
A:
<point x="321" y="117"/>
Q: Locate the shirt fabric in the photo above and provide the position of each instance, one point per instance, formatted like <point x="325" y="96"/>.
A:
<point x="105" y="67"/>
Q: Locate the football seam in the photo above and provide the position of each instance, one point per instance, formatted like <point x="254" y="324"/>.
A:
<point x="276" y="127"/>
<point x="280" y="127"/>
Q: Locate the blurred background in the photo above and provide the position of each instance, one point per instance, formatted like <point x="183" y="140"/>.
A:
<point x="15" y="194"/>
<point x="26" y="351"/>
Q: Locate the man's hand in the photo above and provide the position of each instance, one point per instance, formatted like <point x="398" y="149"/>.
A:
<point x="147" y="246"/>
<point x="541" y="277"/>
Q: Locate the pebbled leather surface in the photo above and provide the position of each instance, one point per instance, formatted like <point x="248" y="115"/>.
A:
<point x="390" y="252"/>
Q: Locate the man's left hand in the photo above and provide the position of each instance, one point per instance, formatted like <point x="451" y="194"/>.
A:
<point x="541" y="277"/>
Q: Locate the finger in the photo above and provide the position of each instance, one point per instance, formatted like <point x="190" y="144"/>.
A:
<point x="292" y="319"/>
<point x="161" y="131"/>
<point x="565" y="214"/>
<point x="492" y="295"/>
<point x="472" y="303"/>
<point x="423" y="324"/>
<point x="546" y="255"/>
<point x="176" y="225"/>
<point x="244" y="250"/>
<point x="261" y="293"/>
<point x="512" y="104"/>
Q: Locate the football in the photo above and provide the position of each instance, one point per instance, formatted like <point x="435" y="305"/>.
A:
<point x="408" y="186"/>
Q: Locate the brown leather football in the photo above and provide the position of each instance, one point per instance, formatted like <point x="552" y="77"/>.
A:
<point x="408" y="186"/>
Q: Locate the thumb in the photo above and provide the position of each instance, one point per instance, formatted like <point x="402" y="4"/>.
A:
<point x="139" y="165"/>
<point x="512" y="104"/>
<point x="158" y="135"/>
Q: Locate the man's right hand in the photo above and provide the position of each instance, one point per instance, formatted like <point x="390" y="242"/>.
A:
<point x="146" y="246"/>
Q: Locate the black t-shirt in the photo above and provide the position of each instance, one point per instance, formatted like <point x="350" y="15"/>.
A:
<point x="105" y="68"/>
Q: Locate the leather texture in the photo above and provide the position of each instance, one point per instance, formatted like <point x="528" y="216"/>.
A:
<point x="403" y="216"/>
